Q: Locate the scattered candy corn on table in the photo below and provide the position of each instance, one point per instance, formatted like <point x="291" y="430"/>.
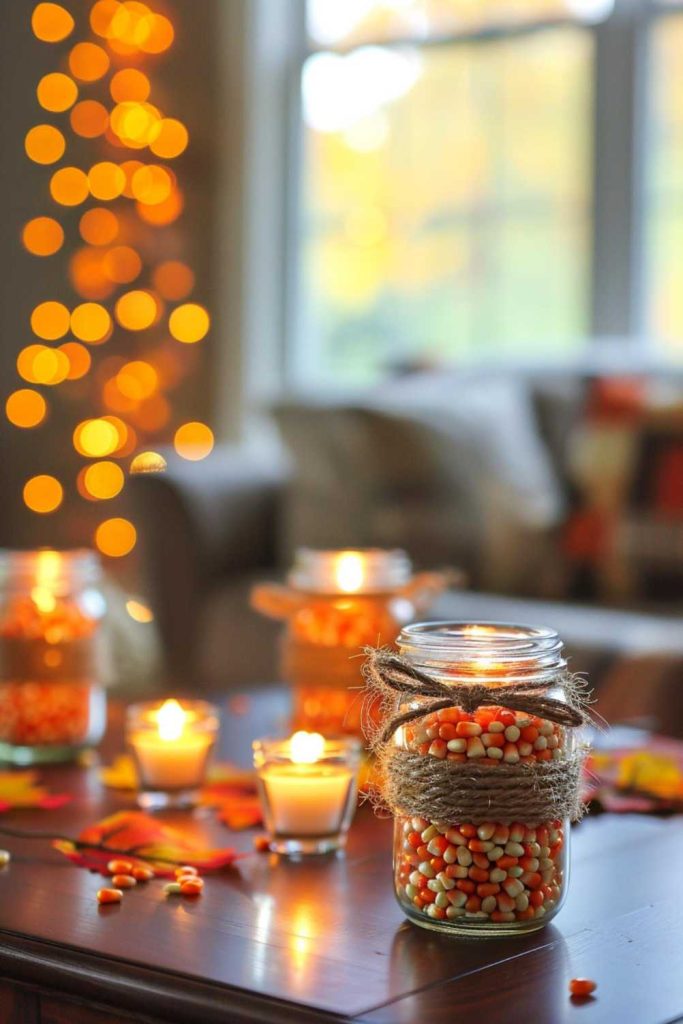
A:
<point x="325" y="940"/>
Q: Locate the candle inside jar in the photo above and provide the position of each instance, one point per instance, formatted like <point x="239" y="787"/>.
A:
<point x="304" y="797"/>
<point x="173" y="754"/>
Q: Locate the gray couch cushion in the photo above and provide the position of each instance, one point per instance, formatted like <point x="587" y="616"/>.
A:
<point x="450" y="468"/>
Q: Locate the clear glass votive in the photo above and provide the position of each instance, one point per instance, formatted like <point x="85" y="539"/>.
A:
<point x="171" y="742"/>
<point x="308" y="787"/>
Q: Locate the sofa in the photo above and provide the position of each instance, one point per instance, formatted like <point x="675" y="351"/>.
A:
<point x="560" y="498"/>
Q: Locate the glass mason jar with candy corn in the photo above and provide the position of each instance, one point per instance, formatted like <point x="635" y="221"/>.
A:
<point x="480" y="765"/>
<point x="334" y="604"/>
<point x="53" y="655"/>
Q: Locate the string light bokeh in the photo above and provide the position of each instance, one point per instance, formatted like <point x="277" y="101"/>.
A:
<point x="116" y="353"/>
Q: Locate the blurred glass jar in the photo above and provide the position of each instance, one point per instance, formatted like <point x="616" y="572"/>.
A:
<point x="334" y="604"/>
<point x="54" y="656"/>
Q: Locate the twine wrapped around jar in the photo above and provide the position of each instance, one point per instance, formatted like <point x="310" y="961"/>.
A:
<point x="443" y="790"/>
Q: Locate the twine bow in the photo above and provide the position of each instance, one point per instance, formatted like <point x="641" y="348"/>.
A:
<point x="386" y="671"/>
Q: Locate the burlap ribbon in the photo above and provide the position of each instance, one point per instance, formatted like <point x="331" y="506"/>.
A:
<point x="443" y="790"/>
<point x="386" y="671"/>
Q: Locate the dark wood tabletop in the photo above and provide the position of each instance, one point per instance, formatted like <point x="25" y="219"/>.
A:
<point x="323" y="939"/>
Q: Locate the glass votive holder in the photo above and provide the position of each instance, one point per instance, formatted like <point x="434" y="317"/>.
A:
<point x="308" y="788"/>
<point x="171" y="743"/>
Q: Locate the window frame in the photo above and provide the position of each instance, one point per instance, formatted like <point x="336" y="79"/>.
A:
<point x="617" y="262"/>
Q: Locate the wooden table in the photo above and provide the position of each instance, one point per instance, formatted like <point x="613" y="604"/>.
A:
<point x="324" y="940"/>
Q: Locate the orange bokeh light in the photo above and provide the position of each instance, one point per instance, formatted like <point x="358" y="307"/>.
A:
<point x="89" y="119"/>
<point x="79" y="359"/>
<point x="44" y="144"/>
<point x="189" y="323"/>
<point x="148" y="462"/>
<point x="95" y="438"/>
<point x="98" y="226"/>
<point x="139" y="611"/>
<point x="115" y="537"/>
<point x="39" y="364"/>
<point x="106" y="180"/>
<point x="101" y="481"/>
<point x="101" y="15"/>
<point x="160" y="35"/>
<point x="136" y="310"/>
<point x="56" y="92"/>
<point x="125" y="434"/>
<point x="86" y="273"/>
<point x="172" y="139"/>
<point x="162" y="213"/>
<point x="193" y="441"/>
<point x="25" y="361"/>
<point x="137" y="380"/>
<point x="50" y="320"/>
<point x="69" y="186"/>
<point x="25" y="408"/>
<point x="88" y="62"/>
<point x="43" y="493"/>
<point x="43" y="236"/>
<point x="151" y="184"/>
<point x="122" y="264"/>
<point x="51" y="22"/>
<point x="130" y="84"/>
<point x="136" y="124"/>
<point x="91" y="323"/>
<point x="173" y="280"/>
<point x="128" y="24"/>
<point x="129" y="167"/>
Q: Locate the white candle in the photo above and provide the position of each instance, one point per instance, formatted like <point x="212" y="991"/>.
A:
<point x="171" y="749"/>
<point x="306" y="796"/>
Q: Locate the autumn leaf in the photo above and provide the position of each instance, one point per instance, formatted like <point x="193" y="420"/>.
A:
<point x="230" y="791"/>
<point x="120" y="774"/>
<point x="237" y="808"/>
<point x="144" y="840"/>
<point x="232" y="794"/>
<point x="21" y="789"/>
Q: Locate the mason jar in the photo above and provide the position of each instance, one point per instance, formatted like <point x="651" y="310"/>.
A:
<point x="484" y="874"/>
<point x="54" y="659"/>
<point x="334" y="604"/>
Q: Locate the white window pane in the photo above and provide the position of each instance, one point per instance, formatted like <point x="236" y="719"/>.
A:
<point x="445" y="204"/>
<point x="664" y="210"/>
<point x="351" y="22"/>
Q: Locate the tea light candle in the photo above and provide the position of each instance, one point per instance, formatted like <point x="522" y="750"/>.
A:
<point x="308" y="790"/>
<point x="171" y="744"/>
<point x="360" y="571"/>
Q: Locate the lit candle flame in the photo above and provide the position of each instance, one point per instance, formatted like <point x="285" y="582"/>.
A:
<point x="349" y="571"/>
<point x="170" y="720"/>
<point x="306" y="747"/>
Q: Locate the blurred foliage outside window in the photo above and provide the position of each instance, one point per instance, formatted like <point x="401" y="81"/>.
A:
<point x="664" y="186"/>
<point x="447" y="184"/>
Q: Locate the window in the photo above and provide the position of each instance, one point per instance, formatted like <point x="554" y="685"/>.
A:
<point x="449" y="195"/>
<point x="664" y="185"/>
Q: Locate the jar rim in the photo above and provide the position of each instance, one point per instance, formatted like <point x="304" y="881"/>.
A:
<point x="203" y="716"/>
<point x="462" y="644"/>
<point x="57" y="567"/>
<point x="355" y="570"/>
